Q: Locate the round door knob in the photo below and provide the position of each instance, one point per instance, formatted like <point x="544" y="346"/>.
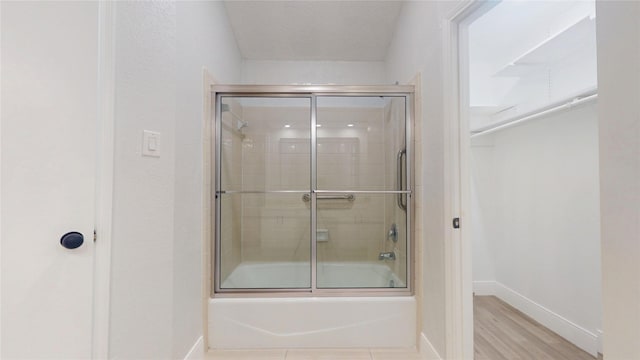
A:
<point x="72" y="240"/>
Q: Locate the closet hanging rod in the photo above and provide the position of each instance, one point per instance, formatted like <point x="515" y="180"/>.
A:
<point x="583" y="99"/>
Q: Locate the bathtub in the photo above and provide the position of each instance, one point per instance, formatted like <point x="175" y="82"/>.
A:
<point x="312" y="322"/>
<point x="296" y="274"/>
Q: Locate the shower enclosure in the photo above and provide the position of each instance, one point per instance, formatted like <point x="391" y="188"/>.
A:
<point x="312" y="189"/>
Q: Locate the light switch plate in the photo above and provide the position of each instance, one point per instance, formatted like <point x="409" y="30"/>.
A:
<point x="150" y="143"/>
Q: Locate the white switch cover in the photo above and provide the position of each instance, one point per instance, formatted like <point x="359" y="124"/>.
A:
<point x="151" y="143"/>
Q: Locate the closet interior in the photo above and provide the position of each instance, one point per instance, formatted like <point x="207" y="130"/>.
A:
<point x="534" y="175"/>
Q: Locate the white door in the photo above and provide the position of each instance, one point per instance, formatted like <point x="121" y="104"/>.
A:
<point x="49" y="110"/>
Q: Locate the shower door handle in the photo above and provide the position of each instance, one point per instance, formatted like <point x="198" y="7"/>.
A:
<point x="402" y="153"/>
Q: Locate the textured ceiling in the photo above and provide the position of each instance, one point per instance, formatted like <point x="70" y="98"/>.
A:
<point x="313" y="30"/>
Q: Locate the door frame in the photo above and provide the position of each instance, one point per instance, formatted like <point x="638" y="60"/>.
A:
<point x="458" y="153"/>
<point x="458" y="248"/>
<point x="104" y="179"/>
<point x="208" y="208"/>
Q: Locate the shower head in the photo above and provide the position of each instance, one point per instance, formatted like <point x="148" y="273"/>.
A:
<point x="242" y="124"/>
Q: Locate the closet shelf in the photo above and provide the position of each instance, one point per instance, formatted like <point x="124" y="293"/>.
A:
<point x="553" y="49"/>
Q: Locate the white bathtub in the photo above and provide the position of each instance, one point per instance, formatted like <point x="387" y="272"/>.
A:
<point x="296" y="274"/>
<point x="313" y="322"/>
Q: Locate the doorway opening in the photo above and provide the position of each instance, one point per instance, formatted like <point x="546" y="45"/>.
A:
<point x="529" y="163"/>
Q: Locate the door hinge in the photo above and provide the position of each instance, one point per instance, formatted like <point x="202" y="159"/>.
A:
<point x="95" y="235"/>
<point x="456" y="223"/>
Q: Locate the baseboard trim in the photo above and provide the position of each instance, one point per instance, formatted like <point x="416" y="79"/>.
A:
<point x="579" y="336"/>
<point x="197" y="350"/>
<point x="427" y="351"/>
<point x="484" y="288"/>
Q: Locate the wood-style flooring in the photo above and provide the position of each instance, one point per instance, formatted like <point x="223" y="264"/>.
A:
<point x="503" y="333"/>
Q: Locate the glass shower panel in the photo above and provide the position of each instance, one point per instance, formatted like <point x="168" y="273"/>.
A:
<point x="265" y="241"/>
<point x="265" y="143"/>
<point x="362" y="242"/>
<point x="265" y="171"/>
<point x="359" y="142"/>
<point x="361" y="217"/>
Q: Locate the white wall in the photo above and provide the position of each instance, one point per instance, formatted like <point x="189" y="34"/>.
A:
<point x="204" y="39"/>
<point x="537" y="216"/>
<point x="417" y="47"/>
<point x="313" y="72"/>
<point x="483" y="211"/>
<point x="619" y="122"/>
<point x="155" y="293"/>
<point x="142" y="259"/>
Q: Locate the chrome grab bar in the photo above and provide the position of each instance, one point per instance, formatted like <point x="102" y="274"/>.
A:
<point x="387" y="256"/>
<point x="402" y="153"/>
<point x="349" y="197"/>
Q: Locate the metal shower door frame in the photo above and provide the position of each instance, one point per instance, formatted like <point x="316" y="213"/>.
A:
<point x="311" y="92"/>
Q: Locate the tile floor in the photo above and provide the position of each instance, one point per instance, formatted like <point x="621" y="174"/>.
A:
<point x="311" y="354"/>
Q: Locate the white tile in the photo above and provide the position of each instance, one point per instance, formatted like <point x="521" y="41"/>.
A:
<point x="329" y="354"/>
<point x="395" y="354"/>
<point x="246" y="355"/>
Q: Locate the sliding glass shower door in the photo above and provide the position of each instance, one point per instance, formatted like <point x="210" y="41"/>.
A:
<point x="359" y="174"/>
<point x="264" y="170"/>
<point x="312" y="192"/>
